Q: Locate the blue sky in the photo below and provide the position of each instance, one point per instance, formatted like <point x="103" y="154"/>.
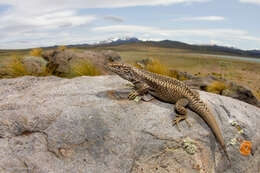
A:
<point x="36" y="23"/>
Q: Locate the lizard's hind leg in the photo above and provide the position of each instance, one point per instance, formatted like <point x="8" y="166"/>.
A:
<point x="181" y="112"/>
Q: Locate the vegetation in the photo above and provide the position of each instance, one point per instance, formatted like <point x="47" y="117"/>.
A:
<point x="36" y="52"/>
<point x="14" y="67"/>
<point x="62" y="48"/>
<point x="83" y="68"/>
<point x="155" y="66"/>
<point x="216" y="87"/>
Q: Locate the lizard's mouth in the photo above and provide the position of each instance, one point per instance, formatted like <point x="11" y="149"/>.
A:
<point x="110" y="67"/>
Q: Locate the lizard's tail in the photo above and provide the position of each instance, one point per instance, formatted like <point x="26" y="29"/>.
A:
<point x="209" y="118"/>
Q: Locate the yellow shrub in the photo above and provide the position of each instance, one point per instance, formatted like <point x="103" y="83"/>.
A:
<point x="13" y="67"/>
<point x="182" y="78"/>
<point x="174" y="74"/>
<point x="36" y="52"/>
<point x="216" y="87"/>
<point x="156" y="67"/>
<point x="62" y="47"/>
<point x="257" y="94"/>
<point x="83" y="68"/>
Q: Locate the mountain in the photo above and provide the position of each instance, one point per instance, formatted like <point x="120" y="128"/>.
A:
<point x="216" y="49"/>
<point x="121" y="40"/>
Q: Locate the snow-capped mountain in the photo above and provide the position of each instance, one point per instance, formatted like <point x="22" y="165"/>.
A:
<point x="119" y="40"/>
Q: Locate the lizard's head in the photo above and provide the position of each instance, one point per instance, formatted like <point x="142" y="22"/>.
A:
<point x="123" y="70"/>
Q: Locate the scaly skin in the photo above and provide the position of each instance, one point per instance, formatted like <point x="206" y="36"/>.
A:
<point x="169" y="90"/>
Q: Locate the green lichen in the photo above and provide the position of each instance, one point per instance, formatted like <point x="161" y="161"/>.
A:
<point x="189" y="146"/>
<point x="137" y="99"/>
<point x="234" y="123"/>
<point x="239" y="128"/>
<point x="233" y="141"/>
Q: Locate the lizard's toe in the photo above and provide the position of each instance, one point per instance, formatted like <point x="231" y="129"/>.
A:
<point x="132" y="95"/>
<point x="180" y="118"/>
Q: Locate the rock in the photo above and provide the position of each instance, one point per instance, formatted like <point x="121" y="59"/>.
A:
<point x="241" y="93"/>
<point x="111" y="56"/>
<point x="201" y="83"/>
<point x="87" y="124"/>
<point x="34" y="65"/>
<point x="144" y="62"/>
<point x="233" y="90"/>
<point x="182" y="75"/>
<point x="60" y="61"/>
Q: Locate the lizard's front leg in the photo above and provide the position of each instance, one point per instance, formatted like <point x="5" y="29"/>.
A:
<point x="141" y="89"/>
<point x="181" y="112"/>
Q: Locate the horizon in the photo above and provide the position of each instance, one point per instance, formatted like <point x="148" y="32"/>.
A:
<point x="43" y="23"/>
<point x="110" y="40"/>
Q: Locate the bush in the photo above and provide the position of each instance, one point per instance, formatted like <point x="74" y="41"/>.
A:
<point x="13" y="67"/>
<point x="156" y="66"/>
<point x="62" y="48"/>
<point x="216" y="87"/>
<point x="36" y="52"/>
<point x="258" y="94"/>
<point x="83" y="68"/>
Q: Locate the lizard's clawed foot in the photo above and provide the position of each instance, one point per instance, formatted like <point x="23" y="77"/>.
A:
<point x="180" y="118"/>
<point x="133" y="95"/>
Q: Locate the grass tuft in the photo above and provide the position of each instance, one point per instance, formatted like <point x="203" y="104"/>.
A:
<point x="36" y="52"/>
<point x="13" y="67"/>
<point x="216" y="87"/>
<point x="83" y="68"/>
<point x="62" y="48"/>
<point x="157" y="67"/>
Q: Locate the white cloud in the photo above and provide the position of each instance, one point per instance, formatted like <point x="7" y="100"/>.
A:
<point x="21" y="26"/>
<point x="51" y="20"/>
<point x="175" y="33"/>
<point x="47" y="5"/>
<point x="29" y="19"/>
<point x="200" y="18"/>
<point x="33" y="23"/>
<point x="251" y="1"/>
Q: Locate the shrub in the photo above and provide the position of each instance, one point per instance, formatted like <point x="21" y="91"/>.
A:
<point x="62" y="48"/>
<point x="156" y="66"/>
<point x="216" y="87"/>
<point x="36" y="52"/>
<point x="182" y="78"/>
<point x="83" y="68"/>
<point x="14" y="66"/>
<point x="258" y="94"/>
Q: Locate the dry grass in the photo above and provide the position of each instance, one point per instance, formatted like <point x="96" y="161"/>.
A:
<point x="62" y="48"/>
<point x="36" y="52"/>
<point x="157" y="67"/>
<point x="216" y="87"/>
<point x="13" y="66"/>
<point x="83" y="68"/>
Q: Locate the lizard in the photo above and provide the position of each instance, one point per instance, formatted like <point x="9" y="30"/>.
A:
<point x="169" y="90"/>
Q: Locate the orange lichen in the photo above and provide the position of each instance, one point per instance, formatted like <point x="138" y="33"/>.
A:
<point x="245" y="148"/>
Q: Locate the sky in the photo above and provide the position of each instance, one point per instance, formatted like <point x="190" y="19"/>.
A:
<point x="39" y="23"/>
